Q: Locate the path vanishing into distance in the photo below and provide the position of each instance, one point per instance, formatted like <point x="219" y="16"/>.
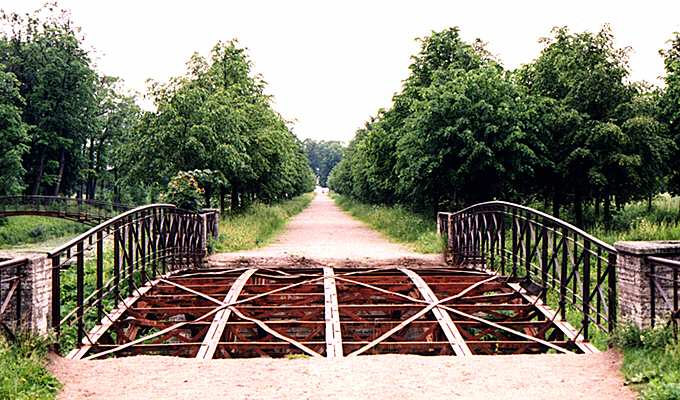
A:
<point x="324" y="235"/>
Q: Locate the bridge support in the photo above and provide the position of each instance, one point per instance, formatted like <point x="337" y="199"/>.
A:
<point x="25" y="293"/>
<point x="645" y="288"/>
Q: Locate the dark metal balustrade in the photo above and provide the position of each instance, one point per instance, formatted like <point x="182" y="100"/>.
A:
<point x="568" y="268"/>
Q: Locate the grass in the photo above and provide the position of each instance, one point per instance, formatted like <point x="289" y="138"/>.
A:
<point x="22" y="230"/>
<point x="22" y="369"/>
<point x="258" y="224"/>
<point x="651" y="361"/>
<point x="416" y="231"/>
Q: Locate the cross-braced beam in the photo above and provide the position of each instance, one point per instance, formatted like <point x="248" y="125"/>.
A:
<point x="212" y="338"/>
<point x="450" y="330"/>
<point x="333" y="331"/>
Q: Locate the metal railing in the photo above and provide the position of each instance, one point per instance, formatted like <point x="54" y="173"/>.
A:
<point x="92" y="273"/>
<point x="568" y="268"/>
<point x="12" y="275"/>
<point x="91" y="212"/>
<point x="663" y="290"/>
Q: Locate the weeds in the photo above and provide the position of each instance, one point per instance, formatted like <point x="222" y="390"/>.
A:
<point x="651" y="361"/>
<point x="258" y="224"/>
<point x="22" y="369"/>
<point x="416" y="231"/>
<point x="22" y="230"/>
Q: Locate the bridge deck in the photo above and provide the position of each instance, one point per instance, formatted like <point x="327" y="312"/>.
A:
<point x="330" y="313"/>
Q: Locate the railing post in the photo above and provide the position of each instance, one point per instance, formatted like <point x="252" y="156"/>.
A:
<point x="56" y="297"/>
<point x="80" y="291"/>
<point x="612" y="299"/>
<point x="100" y="275"/>
<point x="586" y="288"/>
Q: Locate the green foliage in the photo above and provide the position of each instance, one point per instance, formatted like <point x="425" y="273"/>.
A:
<point x="651" y="361"/>
<point x="184" y="191"/>
<point x="257" y="225"/>
<point x="566" y="129"/>
<point x="22" y="230"/>
<point x="216" y="117"/>
<point x="22" y="369"/>
<point x="13" y="137"/>
<point x="417" y="231"/>
<point x="323" y="157"/>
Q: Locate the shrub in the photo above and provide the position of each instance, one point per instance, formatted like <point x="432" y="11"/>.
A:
<point x="184" y="191"/>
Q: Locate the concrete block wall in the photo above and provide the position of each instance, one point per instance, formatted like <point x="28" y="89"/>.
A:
<point x="633" y="280"/>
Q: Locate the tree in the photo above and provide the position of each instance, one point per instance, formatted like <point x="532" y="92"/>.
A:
<point x="13" y="137"/>
<point x="670" y="106"/>
<point x="323" y="157"/>
<point x="58" y="85"/>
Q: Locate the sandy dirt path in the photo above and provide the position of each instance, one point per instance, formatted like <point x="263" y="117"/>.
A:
<point x="324" y="234"/>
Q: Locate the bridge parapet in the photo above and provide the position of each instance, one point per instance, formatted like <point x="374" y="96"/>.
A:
<point x="89" y="212"/>
<point x="555" y="260"/>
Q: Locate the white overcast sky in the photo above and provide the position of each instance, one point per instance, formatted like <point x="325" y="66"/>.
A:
<point x="331" y="64"/>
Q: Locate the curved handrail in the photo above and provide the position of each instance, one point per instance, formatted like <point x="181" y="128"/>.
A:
<point x="82" y="210"/>
<point x="555" y="220"/>
<point x="106" y="224"/>
<point x="544" y="252"/>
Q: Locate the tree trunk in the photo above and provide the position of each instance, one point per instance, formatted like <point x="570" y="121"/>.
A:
<point x="607" y="211"/>
<point x="597" y="209"/>
<point x="39" y="175"/>
<point x="234" y="199"/>
<point x="578" y="210"/>
<point x="223" y="193"/>
<point x="62" y="163"/>
<point x="556" y="204"/>
<point x="650" y="197"/>
<point x="207" y="194"/>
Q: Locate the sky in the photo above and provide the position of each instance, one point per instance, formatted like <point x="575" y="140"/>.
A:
<point x="330" y="65"/>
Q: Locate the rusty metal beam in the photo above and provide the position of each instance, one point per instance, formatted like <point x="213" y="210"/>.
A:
<point x="450" y="330"/>
<point x="220" y="319"/>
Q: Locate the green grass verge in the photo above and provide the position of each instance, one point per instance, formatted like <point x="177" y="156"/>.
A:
<point x="22" y="369"/>
<point x="651" y="361"/>
<point x="416" y="231"/>
<point x="22" y="230"/>
<point x="258" y="224"/>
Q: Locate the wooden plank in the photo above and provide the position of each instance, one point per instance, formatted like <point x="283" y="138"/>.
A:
<point x="212" y="338"/>
<point x="562" y="325"/>
<point x="445" y="322"/>
<point x="332" y="316"/>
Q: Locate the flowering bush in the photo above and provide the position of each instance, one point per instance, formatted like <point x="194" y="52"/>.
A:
<point x="184" y="191"/>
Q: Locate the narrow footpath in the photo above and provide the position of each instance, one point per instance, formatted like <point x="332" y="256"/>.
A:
<point x="324" y="235"/>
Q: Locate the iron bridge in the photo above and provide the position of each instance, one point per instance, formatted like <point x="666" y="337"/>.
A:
<point x="327" y="312"/>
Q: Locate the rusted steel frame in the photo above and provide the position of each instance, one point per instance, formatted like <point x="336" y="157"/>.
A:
<point x="220" y="319"/>
<point x="332" y="316"/>
<point x="275" y="333"/>
<point x="564" y="326"/>
<point x="448" y="327"/>
<point x="209" y="314"/>
<point x="417" y="315"/>
<point x="506" y="329"/>
<point x="242" y="316"/>
<point x="110" y="318"/>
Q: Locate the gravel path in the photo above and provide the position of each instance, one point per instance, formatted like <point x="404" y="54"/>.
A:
<point x="324" y="234"/>
<point x="372" y="377"/>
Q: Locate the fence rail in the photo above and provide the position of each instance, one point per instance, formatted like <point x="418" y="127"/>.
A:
<point x="12" y="275"/>
<point x="95" y="271"/>
<point x="567" y="267"/>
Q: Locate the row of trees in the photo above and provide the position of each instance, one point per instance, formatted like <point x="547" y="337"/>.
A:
<point x="65" y="129"/>
<point x="568" y="129"/>
<point x="323" y="157"/>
